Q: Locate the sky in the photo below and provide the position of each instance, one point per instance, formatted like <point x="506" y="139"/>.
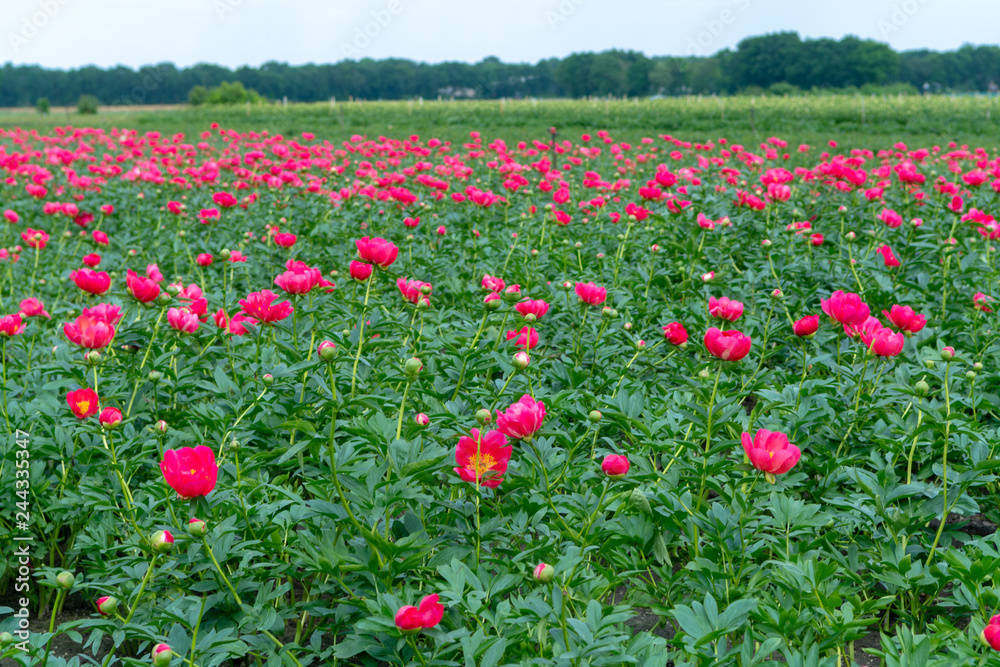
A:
<point x="74" y="33"/>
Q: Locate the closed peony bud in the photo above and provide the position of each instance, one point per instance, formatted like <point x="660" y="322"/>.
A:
<point x="197" y="528"/>
<point x="155" y="376"/>
<point x="160" y="427"/>
<point x="412" y="367"/>
<point x="850" y="236"/>
<point x="65" y="580"/>
<point x="484" y="416"/>
<point x="704" y="374"/>
<point x="544" y="572"/>
<point x="107" y="605"/>
<point x="978" y="367"/>
<point x="615" y="466"/>
<point x="970" y="376"/>
<point x="162" y="541"/>
<point x="929" y="363"/>
<point x="173" y="290"/>
<point x="921" y="388"/>
<point x="327" y="350"/>
<point x="521" y="360"/>
<point x="225" y="253"/>
<point x="766" y="243"/>
<point x="93" y="357"/>
<point x="421" y="419"/>
<point x="6" y="639"/>
<point x="595" y="416"/>
<point x="948" y="353"/>
<point x="268" y="379"/>
<point x="110" y="418"/>
<point x="776" y="294"/>
<point x="162" y="655"/>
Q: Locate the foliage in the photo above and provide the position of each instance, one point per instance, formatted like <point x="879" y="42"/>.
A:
<point x="224" y="93"/>
<point x="87" y="105"/>
<point x="337" y="502"/>
<point x="42" y="105"/>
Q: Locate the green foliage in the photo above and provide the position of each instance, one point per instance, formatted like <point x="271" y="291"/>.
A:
<point x="43" y="106"/>
<point x="87" y="105"/>
<point x="224" y="93"/>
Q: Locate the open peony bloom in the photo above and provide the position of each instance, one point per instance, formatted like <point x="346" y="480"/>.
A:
<point x="493" y="283"/>
<point x="523" y="419"/>
<point x="891" y="261"/>
<point x="142" y="289"/>
<point x="727" y="345"/>
<point x="846" y="307"/>
<point x="89" y="331"/>
<point x="591" y="294"/>
<point x="770" y="452"/>
<point x="725" y="308"/>
<point x="191" y="472"/>
<point x="93" y="282"/>
<point x="904" y="319"/>
<point x="886" y="343"/>
<point x="412" y="619"/>
<point x="83" y="402"/>
<point x="482" y="459"/>
<point x="807" y="326"/>
<point x="261" y="307"/>
<point x="377" y="251"/>
<point x="526" y="336"/>
<point x="11" y="325"/>
<point x="535" y="307"/>
<point x="413" y="290"/>
<point x="991" y="633"/>
<point x="32" y="307"/>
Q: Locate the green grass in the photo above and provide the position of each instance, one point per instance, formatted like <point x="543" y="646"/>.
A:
<point x="813" y="120"/>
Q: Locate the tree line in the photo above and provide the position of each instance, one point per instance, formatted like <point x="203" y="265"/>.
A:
<point x="779" y="63"/>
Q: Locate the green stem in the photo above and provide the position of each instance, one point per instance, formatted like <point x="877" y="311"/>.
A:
<point x="361" y="335"/>
<point x="944" y="463"/>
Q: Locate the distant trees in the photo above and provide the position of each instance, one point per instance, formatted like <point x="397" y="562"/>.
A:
<point x="781" y="61"/>
<point x="225" y="93"/>
<point x="87" y="105"/>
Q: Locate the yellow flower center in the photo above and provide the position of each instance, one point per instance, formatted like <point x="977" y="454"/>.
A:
<point x="83" y="406"/>
<point x="482" y="464"/>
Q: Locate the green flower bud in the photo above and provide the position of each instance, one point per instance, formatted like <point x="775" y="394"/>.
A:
<point x="970" y="376"/>
<point x="921" y="388"/>
<point x="155" y="376"/>
<point x="412" y="367"/>
<point x="197" y="528"/>
<point x="595" y="416"/>
<point x="65" y="580"/>
<point x="268" y="379"/>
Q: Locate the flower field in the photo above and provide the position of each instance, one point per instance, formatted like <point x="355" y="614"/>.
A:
<point x="279" y="400"/>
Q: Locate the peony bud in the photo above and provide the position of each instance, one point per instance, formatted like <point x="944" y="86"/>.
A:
<point x="921" y="388"/>
<point x="225" y="253"/>
<point x="107" y="605"/>
<point x="162" y="655"/>
<point x="948" y="353"/>
<point x="766" y="243"/>
<point x="173" y="290"/>
<point x="268" y="379"/>
<point x="160" y="427"/>
<point x="421" y="419"/>
<point x="484" y="416"/>
<point x="110" y="418"/>
<point x="595" y="416"/>
<point x="544" y="572"/>
<point x="521" y="360"/>
<point x="197" y="527"/>
<point x="704" y="374"/>
<point x="6" y="639"/>
<point x="155" y="376"/>
<point x="970" y="376"/>
<point x="327" y="350"/>
<point x="162" y="541"/>
<point x="850" y="236"/>
<point x="412" y="367"/>
<point x="65" y="580"/>
<point x="978" y="367"/>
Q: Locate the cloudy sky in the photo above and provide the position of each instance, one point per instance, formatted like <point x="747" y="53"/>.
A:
<point x="72" y="33"/>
